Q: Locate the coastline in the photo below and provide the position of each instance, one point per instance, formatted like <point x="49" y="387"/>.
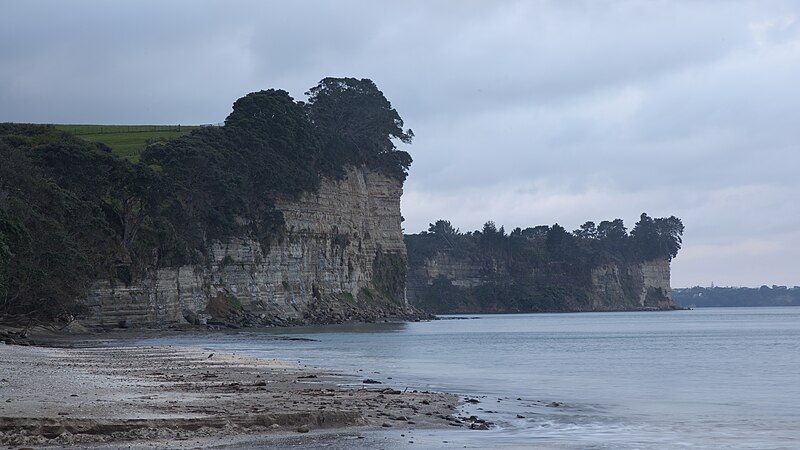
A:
<point x="188" y="397"/>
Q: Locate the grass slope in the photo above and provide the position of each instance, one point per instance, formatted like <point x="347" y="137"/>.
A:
<point x="126" y="141"/>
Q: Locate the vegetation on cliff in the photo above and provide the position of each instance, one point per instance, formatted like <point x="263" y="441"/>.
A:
<point x="543" y="268"/>
<point x="72" y="212"/>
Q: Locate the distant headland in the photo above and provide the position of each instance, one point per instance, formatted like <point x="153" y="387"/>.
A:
<point x="597" y="267"/>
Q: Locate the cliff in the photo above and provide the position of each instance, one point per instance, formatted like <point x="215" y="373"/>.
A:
<point x="641" y="285"/>
<point x="443" y="283"/>
<point x="340" y="258"/>
<point x="289" y="212"/>
<point x="544" y="268"/>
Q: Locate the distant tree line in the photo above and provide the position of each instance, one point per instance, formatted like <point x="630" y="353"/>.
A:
<point x="537" y="268"/>
<point x="71" y="212"/>
<point x="649" y="239"/>
<point x="737" y="296"/>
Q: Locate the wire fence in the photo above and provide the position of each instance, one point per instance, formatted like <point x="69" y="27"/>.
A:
<point x="125" y="129"/>
<point x="119" y="129"/>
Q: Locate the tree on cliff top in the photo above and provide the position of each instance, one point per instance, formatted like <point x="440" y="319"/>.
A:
<point x="227" y="178"/>
<point x="442" y="227"/>
<point x="658" y="238"/>
<point x="586" y="231"/>
<point x="613" y="230"/>
<point x="357" y="124"/>
<point x="590" y="244"/>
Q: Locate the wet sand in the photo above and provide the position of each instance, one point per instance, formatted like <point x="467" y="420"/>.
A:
<point x="180" y="397"/>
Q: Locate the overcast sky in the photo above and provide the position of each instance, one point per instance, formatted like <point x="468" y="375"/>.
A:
<point x="524" y="112"/>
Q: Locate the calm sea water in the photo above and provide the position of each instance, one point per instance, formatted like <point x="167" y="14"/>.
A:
<point x="707" y="378"/>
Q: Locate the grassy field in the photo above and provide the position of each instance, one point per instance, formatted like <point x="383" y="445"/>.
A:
<point x="126" y="141"/>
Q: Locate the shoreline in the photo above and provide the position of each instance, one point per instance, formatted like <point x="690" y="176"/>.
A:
<point x="183" y="396"/>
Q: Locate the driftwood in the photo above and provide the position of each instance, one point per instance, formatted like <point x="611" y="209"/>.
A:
<point x="15" y="328"/>
<point x="14" y="337"/>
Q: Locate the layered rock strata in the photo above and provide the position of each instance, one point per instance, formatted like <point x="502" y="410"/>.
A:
<point x="341" y="258"/>
<point x="444" y="283"/>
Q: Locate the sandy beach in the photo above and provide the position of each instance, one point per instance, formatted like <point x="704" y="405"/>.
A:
<point x="182" y="397"/>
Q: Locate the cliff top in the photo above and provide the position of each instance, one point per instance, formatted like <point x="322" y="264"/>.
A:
<point x="650" y="238"/>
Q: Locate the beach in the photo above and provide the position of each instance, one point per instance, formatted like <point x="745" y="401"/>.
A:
<point x="629" y="380"/>
<point x="183" y="397"/>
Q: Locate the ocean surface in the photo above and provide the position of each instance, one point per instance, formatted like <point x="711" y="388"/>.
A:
<point x="707" y="378"/>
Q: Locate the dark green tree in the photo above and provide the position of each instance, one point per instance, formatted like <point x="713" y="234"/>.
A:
<point x="443" y="227"/>
<point x="586" y="231"/>
<point x="613" y="230"/>
<point x="559" y="242"/>
<point x="657" y="238"/>
<point x="54" y="244"/>
<point x="358" y="124"/>
<point x="537" y="232"/>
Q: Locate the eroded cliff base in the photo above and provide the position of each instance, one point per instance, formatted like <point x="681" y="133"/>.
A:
<point x="222" y="312"/>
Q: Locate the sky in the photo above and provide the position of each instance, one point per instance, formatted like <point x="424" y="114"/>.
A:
<point x="525" y="112"/>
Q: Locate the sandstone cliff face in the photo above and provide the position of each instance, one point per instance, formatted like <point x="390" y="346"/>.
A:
<point x="644" y="285"/>
<point x="461" y="272"/>
<point x="341" y="258"/>
<point x="444" y="283"/>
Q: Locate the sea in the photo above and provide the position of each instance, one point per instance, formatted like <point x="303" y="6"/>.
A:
<point x="702" y="378"/>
